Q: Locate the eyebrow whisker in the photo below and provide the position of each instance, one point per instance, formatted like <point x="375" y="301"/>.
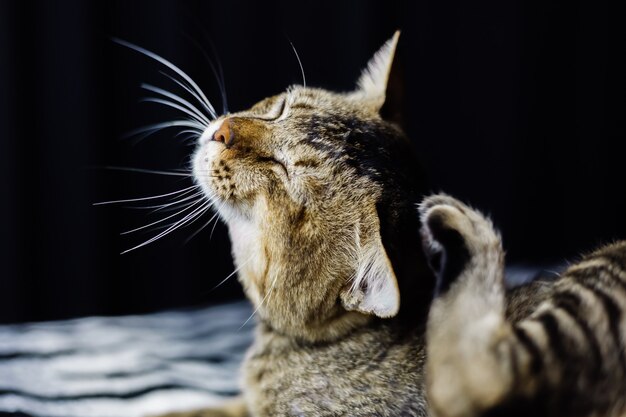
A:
<point x="299" y="63"/>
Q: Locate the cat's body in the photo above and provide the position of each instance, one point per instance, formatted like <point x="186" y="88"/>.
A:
<point x="286" y="378"/>
<point x="319" y="193"/>
<point x="376" y="370"/>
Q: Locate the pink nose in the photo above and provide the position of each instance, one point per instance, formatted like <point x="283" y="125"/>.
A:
<point x="224" y="134"/>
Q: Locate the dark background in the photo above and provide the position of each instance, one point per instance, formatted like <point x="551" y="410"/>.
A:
<point x="517" y="107"/>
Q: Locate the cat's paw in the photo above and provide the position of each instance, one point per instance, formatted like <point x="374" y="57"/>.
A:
<point x="454" y="235"/>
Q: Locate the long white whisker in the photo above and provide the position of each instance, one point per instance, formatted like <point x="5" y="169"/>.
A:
<point x="197" y="232"/>
<point x="217" y="219"/>
<point x="176" y="106"/>
<point x="174" y="97"/>
<point x="221" y="71"/>
<point x="175" y="205"/>
<point x="214" y="217"/>
<point x="161" y="220"/>
<point x="213" y="228"/>
<point x="234" y="272"/>
<point x="192" y="134"/>
<point x="220" y="80"/>
<point x="148" y="171"/>
<point x="160" y="207"/>
<point x="150" y="129"/>
<point x="130" y="200"/>
<point x="171" y="66"/>
<point x="261" y="303"/>
<point x="189" y="217"/>
<point x="209" y="108"/>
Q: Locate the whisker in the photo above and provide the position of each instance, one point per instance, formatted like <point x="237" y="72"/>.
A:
<point x="161" y="207"/>
<point x="261" y="303"/>
<point x="220" y="69"/>
<point x="144" y="132"/>
<point x="148" y="171"/>
<point x="163" y="219"/>
<point x="197" y="232"/>
<point x="171" y="66"/>
<point x="213" y="229"/>
<point x="178" y="107"/>
<point x="233" y="273"/>
<point x="192" y="134"/>
<point x="188" y="218"/>
<point x="299" y="63"/>
<point x="174" y="97"/>
<point x="214" y="217"/>
<point x="129" y="200"/>
<point x="220" y="80"/>
<point x="187" y="88"/>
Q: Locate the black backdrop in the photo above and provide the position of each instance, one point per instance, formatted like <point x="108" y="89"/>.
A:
<point x="517" y="107"/>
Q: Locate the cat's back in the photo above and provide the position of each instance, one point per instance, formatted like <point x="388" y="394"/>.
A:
<point x="579" y="332"/>
<point x="374" y="371"/>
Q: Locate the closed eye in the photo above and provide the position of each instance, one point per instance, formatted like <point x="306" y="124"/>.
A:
<point x="281" y="111"/>
<point x="276" y="112"/>
<point x="274" y="161"/>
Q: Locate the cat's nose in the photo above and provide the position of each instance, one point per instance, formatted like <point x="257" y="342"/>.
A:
<point x="224" y="134"/>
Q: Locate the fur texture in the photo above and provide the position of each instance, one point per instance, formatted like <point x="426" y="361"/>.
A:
<point x="557" y="350"/>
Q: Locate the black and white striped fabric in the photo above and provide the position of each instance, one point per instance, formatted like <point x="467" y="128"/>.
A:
<point x="123" y="366"/>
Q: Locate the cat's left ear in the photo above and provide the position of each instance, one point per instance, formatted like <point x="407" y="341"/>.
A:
<point x="374" y="84"/>
<point x="374" y="289"/>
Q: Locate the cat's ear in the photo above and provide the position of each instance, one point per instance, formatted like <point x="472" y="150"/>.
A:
<point x="374" y="289"/>
<point x="373" y="84"/>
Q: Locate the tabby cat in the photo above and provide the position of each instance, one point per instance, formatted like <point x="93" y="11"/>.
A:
<point x="319" y="191"/>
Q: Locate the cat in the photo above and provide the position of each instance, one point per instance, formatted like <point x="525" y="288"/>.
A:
<point x="319" y="192"/>
<point x="563" y="353"/>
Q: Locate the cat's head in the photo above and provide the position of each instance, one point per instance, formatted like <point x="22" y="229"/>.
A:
<point x="318" y="192"/>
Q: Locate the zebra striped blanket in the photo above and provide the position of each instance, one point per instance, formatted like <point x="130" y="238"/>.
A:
<point x="123" y="366"/>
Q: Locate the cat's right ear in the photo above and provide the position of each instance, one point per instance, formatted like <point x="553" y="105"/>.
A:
<point x="379" y="85"/>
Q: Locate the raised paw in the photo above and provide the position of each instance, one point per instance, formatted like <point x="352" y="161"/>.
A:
<point x="453" y="236"/>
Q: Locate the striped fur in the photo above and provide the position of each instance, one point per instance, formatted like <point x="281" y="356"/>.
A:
<point x="564" y="357"/>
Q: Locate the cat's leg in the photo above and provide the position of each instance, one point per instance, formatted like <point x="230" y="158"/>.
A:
<point x="470" y="366"/>
<point x="232" y="408"/>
